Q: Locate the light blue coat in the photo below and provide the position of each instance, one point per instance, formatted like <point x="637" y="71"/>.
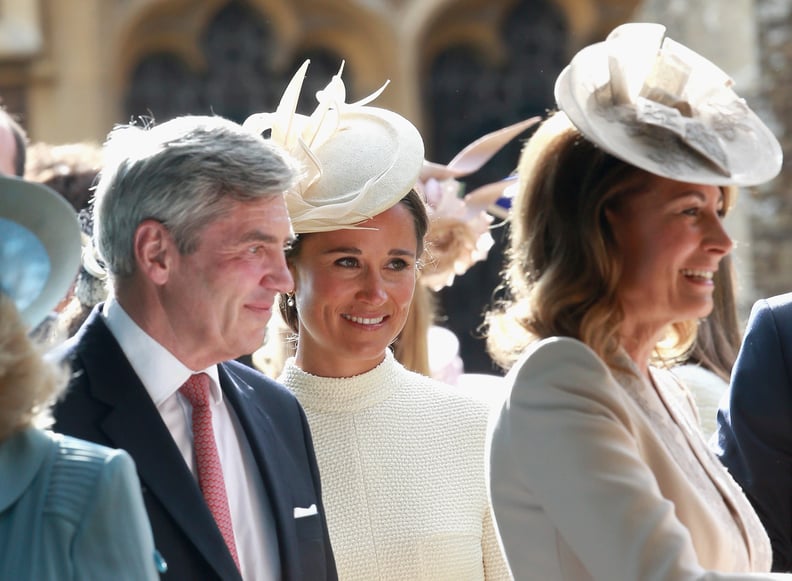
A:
<point x="70" y="509"/>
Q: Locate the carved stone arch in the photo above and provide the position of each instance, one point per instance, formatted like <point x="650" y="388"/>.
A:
<point x="364" y="38"/>
<point x="242" y="68"/>
<point x="488" y="63"/>
<point x="582" y="16"/>
<point x="175" y="27"/>
<point x="494" y="60"/>
<point x="164" y="37"/>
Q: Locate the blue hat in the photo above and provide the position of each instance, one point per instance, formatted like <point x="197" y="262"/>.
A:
<point x="39" y="247"/>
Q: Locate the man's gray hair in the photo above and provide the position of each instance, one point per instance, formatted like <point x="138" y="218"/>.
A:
<point x="183" y="173"/>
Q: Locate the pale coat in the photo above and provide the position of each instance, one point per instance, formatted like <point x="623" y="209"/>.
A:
<point x="597" y="474"/>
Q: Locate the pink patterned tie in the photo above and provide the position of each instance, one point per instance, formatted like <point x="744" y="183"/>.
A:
<point x="210" y="472"/>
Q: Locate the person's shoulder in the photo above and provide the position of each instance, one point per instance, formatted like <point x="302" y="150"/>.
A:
<point x="259" y="382"/>
<point x="443" y="399"/>
<point x="80" y="468"/>
<point x="771" y="314"/>
<point x="71" y="449"/>
<point x="554" y="353"/>
<point x="558" y="370"/>
<point x="93" y="331"/>
<point x="777" y="303"/>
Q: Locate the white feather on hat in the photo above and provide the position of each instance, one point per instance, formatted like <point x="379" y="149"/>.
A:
<point x="358" y="160"/>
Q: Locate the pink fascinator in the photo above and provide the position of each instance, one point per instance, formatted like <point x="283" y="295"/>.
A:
<point x="459" y="234"/>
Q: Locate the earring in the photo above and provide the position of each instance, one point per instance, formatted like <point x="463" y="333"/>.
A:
<point x="290" y="299"/>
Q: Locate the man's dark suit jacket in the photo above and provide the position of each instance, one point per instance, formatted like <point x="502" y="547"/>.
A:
<point x="106" y="403"/>
<point x="754" y="437"/>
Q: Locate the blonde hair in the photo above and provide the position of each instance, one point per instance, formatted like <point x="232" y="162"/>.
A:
<point x="28" y="384"/>
<point x="411" y="347"/>
<point x="563" y="264"/>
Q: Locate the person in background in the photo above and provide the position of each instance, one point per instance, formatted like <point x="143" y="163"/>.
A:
<point x="190" y="220"/>
<point x="401" y="455"/>
<point x="754" y="437"/>
<point x="13" y="145"/>
<point x="69" y="509"/>
<point x="458" y="237"/>
<point x="707" y="367"/>
<point x="597" y="467"/>
<point x="71" y="169"/>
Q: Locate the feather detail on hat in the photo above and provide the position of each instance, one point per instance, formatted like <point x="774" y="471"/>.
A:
<point x="358" y="161"/>
<point x="660" y="106"/>
<point x="459" y="224"/>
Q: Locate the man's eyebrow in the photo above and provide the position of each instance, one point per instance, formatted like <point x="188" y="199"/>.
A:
<point x="257" y="236"/>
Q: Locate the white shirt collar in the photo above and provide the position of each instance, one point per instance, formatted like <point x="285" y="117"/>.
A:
<point x="161" y="373"/>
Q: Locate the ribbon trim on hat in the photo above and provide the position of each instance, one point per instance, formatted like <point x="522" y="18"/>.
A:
<point x="702" y="114"/>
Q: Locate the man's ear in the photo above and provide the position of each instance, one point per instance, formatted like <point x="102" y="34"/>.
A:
<point x="154" y="250"/>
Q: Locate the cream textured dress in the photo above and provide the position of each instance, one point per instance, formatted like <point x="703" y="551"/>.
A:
<point x="401" y="458"/>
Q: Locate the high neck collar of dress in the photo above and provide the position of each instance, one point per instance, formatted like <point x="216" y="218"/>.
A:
<point x="343" y="394"/>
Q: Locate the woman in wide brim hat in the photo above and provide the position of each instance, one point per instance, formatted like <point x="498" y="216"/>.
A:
<point x="401" y="455"/>
<point x="68" y="508"/>
<point x="597" y="467"/>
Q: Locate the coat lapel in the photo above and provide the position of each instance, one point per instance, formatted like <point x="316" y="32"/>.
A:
<point x="134" y="424"/>
<point x="708" y="461"/>
<point x="274" y="466"/>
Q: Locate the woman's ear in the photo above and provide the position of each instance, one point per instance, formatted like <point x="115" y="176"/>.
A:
<point x="153" y="247"/>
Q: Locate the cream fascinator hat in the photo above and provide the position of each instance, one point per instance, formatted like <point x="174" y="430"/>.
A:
<point x="39" y="247"/>
<point x="459" y="222"/>
<point x="660" y="106"/>
<point x="358" y="160"/>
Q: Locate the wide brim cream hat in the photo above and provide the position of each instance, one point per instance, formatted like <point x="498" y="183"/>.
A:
<point x="39" y="247"/>
<point x="358" y="161"/>
<point x="660" y="106"/>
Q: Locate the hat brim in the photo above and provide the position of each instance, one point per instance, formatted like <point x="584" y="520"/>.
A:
<point x="366" y="166"/>
<point x="50" y="218"/>
<point x="749" y="152"/>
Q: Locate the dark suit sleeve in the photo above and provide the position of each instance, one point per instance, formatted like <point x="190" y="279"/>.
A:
<point x="754" y="438"/>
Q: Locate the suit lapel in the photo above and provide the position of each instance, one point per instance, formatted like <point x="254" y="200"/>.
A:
<point x="134" y="424"/>
<point x="274" y="466"/>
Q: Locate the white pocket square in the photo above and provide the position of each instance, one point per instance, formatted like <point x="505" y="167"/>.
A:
<point x="300" y="512"/>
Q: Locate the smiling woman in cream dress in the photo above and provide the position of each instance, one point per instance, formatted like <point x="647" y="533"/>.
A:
<point x="401" y="455"/>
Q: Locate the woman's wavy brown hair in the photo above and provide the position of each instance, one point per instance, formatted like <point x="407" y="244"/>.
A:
<point x="563" y="265"/>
